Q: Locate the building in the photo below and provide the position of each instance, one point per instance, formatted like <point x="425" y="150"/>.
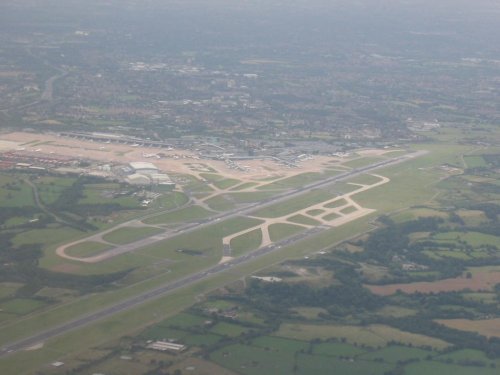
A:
<point x="166" y="345"/>
<point x="138" y="179"/>
<point x="144" y="168"/>
<point x="162" y="179"/>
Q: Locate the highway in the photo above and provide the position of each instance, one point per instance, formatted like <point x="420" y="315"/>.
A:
<point x="157" y="292"/>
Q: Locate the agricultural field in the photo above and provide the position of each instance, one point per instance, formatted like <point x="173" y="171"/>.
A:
<point x="373" y="336"/>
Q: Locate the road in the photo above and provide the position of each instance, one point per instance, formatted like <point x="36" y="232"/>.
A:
<point x="157" y="292"/>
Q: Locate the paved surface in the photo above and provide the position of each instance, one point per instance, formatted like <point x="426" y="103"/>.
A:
<point x="157" y="292"/>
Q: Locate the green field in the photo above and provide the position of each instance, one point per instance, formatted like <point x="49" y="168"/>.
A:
<point x="50" y="188"/>
<point x="348" y="210"/>
<point x="361" y="162"/>
<point x="228" y="329"/>
<point x="130" y="234"/>
<point x="294" y="181"/>
<point x="222" y="202"/>
<point x="246" y="242"/>
<point x="295" y="204"/>
<point x="220" y="181"/>
<point x="87" y="249"/>
<point x="337" y="349"/>
<point x="183" y="320"/>
<point x="9" y="289"/>
<point x="179" y="216"/>
<point x="331" y="216"/>
<point x="364" y="179"/>
<point x="21" y="306"/>
<point x="252" y="360"/>
<point x="372" y="335"/>
<point x="464" y="355"/>
<point x="279" y="231"/>
<point x="280" y="344"/>
<point x="249" y="197"/>
<point x="246" y="185"/>
<point x="322" y="365"/>
<point x="475" y="161"/>
<point x="315" y="212"/>
<point x="301" y="219"/>
<point x="337" y="203"/>
<point x="46" y="237"/>
<point x="439" y="368"/>
<point x="104" y="194"/>
<point x="395" y="354"/>
<point x="474" y="239"/>
<point x="171" y="200"/>
<point x="14" y="192"/>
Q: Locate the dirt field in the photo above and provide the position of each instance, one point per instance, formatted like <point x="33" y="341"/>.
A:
<point x="115" y="153"/>
<point x="488" y="328"/>
<point x="481" y="280"/>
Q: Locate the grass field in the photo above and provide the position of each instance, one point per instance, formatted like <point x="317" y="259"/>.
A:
<point x="301" y="219"/>
<point x="21" y="306"/>
<point x="171" y="200"/>
<point x="246" y="185"/>
<point x="251" y="360"/>
<point x="228" y="329"/>
<point x="46" y="237"/>
<point x="315" y="212"/>
<point x="323" y="365"/>
<point x="221" y="202"/>
<point x="331" y="216"/>
<point x="100" y="194"/>
<point x="474" y="161"/>
<point x="50" y="188"/>
<point x="372" y="335"/>
<point x="439" y="368"/>
<point x="395" y="354"/>
<point x="184" y="320"/>
<point x="14" y="192"/>
<point x="464" y="355"/>
<point x="249" y="197"/>
<point x="246" y="242"/>
<point x="337" y="203"/>
<point x="293" y="182"/>
<point x="130" y="234"/>
<point x="179" y="216"/>
<point x="280" y="344"/>
<point x="279" y="231"/>
<point x="220" y="181"/>
<point x="364" y="179"/>
<point x="337" y="349"/>
<point x="86" y="249"/>
<point x="474" y="239"/>
<point x="292" y="205"/>
<point x="361" y="162"/>
<point x="9" y="289"/>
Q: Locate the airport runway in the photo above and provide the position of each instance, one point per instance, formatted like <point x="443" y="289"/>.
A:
<point x="157" y="292"/>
